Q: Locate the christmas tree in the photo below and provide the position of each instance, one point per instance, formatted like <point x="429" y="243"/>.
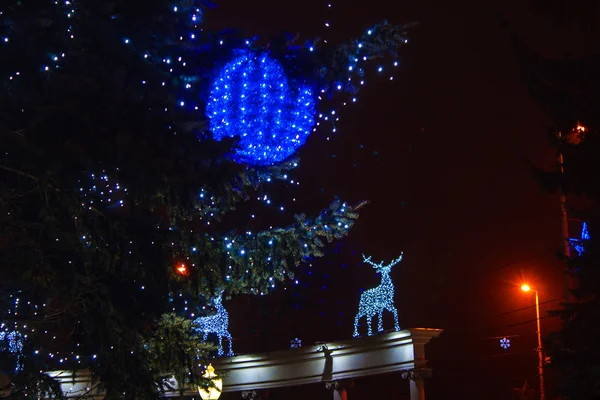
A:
<point x="135" y="147"/>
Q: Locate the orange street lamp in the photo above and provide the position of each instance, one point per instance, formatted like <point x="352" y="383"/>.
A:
<point x="526" y="288"/>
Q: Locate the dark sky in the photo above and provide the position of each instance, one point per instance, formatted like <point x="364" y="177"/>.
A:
<point x="441" y="163"/>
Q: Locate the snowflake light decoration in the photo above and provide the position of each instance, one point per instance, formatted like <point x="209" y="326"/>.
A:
<point x="295" y="343"/>
<point x="375" y="301"/>
<point x="252" y="98"/>
<point x="505" y="343"/>
<point x="217" y="324"/>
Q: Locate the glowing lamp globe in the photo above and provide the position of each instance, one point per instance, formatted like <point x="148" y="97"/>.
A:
<point x="251" y="98"/>
<point x="212" y="392"/>
<point x="525" y="287"/>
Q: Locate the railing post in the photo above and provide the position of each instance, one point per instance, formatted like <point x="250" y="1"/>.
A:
<point x="249" y="395"/>
<point x="417" y="383"/>
<point x="339" y="391"/>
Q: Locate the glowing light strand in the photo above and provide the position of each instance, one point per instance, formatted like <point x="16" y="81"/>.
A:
<point x="167" y="60"/>
<point x="377" y="300"/>
<point x="103" y="190"/>
<point x="361" y="51"/>
<point x="217" y="324"/>
<point x="578" y="243"/>
<point x="242" y="250"/>
<point x="251" y="98"/>
<point x="70" y="12"/>
<point x="14" y="344"/>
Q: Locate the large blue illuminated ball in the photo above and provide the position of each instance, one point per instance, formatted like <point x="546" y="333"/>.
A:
<point x="252" y="98"/>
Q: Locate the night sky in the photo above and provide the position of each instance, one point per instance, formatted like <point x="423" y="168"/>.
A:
<point x="439" y="154"/>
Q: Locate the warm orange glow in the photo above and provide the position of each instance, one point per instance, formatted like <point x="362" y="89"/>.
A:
<point x="525" y="287"/>
<point x="182" y="269"/>
<point x="576" y="135"/>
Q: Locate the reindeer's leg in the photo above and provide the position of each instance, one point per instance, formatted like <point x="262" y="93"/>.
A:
<point x="220" y="349"/>
<point x="356" y="319"/>
<point x="228" y="336"/>
<point x="369" y="323"/>
<point x="380" y="321"/>
<point x="395" y="312"/>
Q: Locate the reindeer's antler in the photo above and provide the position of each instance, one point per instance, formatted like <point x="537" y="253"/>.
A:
<point x="367" y="260"/>
<point x="397" y="260"/>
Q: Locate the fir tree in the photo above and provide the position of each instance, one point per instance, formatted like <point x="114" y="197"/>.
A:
<point x="120" y="213"/>
<point x="569" y="92"/>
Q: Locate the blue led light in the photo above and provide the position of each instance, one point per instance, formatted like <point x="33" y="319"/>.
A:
<point x="377" y="300"/>
<point x="217" y="324"/>
<point x="14" y="344"/>
<point x="252" y="98"/>
<point x="578" y="243"/>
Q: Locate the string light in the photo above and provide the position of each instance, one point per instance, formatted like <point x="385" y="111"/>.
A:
<point x="251" y="98"/>
<point x="99" y="189"/>
<point x="377" y="300"/>
<point x="217" y="324"/>
<point x="578" y="243"/>
<point x="14" y="344"/>
<point x="102" y="188"/>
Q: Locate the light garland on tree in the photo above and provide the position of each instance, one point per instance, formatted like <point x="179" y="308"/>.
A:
<point x="102" y="189"/>
<point x="377" y="300"/>
<point x="350" y="78"/>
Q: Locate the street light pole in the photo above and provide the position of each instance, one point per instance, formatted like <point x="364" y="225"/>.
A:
<point x="540" y="349"/>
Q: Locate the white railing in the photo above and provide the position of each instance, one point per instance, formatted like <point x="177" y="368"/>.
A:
<point x="327" y="362"/>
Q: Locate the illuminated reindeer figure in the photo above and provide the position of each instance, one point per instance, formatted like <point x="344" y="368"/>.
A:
<point x="375" y="301"/>
<point x="14" y="344"/>
<point x="217" y="323"/>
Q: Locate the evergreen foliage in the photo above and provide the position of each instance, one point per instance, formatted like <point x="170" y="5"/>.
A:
<point x="106" y="186"/>
<point x="569" y="92"/>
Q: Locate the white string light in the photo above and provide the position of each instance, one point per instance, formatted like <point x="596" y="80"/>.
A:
<point x="217" y="324"/>
<point x="375" y="301"/>
<point x="14" y="344"/>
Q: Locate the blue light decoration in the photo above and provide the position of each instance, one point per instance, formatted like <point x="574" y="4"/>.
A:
<point x="102" y="188"/>
<point x="13" y="342"/>
<point x="295" y="343"/>
<point x="377" y="300"/>
<point x="505" y="343"/>
<point x="252" y="98"/>
<point x="577" y="243"/>
<point x="217" y="324"/>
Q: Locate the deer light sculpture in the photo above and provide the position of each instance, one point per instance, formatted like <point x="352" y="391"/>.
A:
<point x="217" y="324"/>
<point x="13" y="342"/>
<point x="376" y="300"/>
